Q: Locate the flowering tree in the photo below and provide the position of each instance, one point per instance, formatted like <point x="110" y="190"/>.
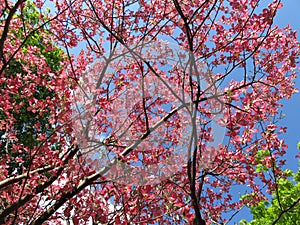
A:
<point x="168" y="107"/>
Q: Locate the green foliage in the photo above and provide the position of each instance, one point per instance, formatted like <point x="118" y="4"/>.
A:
<point x="260" y="155"/>
<point x="30" y="14"/>
<point x="284" y="208"/>
<point x="25" y="120"/>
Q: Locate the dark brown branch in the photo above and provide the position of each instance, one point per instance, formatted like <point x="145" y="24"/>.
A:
<point x="6" y="28"/>
<point x="285" y="211"/>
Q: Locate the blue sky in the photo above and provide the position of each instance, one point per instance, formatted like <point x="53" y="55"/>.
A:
<point x="289" y="14"/>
